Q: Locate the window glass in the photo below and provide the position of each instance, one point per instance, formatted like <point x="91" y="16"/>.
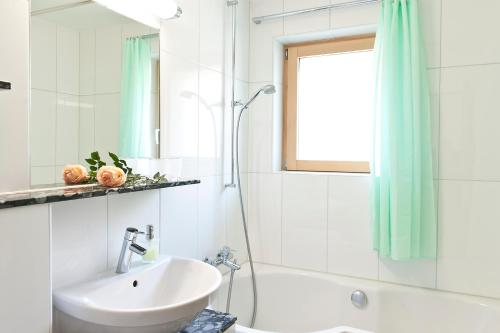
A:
<point x="334" y="106"/>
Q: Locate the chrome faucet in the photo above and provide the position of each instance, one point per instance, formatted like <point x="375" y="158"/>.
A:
<point x="224" y="257"/>
<point x="129" y="247"/>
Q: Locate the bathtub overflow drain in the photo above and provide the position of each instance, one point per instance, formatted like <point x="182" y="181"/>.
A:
<point x="359" y="299"/>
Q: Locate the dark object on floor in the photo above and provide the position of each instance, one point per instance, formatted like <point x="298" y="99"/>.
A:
<point x="210" y="321"/>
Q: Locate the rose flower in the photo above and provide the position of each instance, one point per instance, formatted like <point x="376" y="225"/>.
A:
<point x="111" y="176"/>
<point x="74" y="174"/>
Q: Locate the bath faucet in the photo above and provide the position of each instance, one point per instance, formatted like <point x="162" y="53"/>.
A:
<point x="129" y="247"/>
<point x="224" y="257"/>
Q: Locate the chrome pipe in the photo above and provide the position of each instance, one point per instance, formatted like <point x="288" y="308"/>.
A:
<point x="233" y="4"/>
<point x="260" y="19"/>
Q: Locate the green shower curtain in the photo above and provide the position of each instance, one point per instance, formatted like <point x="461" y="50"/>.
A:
<point x="404" y="200"/>
<point x="135" y="114"/>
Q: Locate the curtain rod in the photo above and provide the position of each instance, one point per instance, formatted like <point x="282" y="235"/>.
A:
<point x="153" y="35"/>
<point x="260" y="19"/>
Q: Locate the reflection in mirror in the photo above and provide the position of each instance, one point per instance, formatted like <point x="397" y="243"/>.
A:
<point x="94" y="86"/>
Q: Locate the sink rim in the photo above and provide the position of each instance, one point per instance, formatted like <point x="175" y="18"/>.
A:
<point x="72" y="299"/>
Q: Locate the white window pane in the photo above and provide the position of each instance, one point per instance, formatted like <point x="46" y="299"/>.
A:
<point x="334" y="110"/>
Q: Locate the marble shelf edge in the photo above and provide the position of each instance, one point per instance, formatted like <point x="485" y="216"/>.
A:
<point x="61" y="194"/>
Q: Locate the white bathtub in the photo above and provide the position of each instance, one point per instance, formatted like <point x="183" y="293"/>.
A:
<point x="296" y="301"/>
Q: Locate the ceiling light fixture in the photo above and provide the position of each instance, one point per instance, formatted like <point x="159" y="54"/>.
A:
<point x="149" y="12"/>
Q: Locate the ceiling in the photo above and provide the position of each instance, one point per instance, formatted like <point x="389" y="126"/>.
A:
<point x="89" y="16"/>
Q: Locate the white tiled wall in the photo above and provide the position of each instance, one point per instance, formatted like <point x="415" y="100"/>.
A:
<point x="76" y="78"/>
<point x="196" y="94"/>
<point x="25" y="270"/>
<point x="14" y="103"/>
<point x="194" y="221"/>
<point x="322" y="222"/>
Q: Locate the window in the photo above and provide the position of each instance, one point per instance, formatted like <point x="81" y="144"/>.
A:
<point x="329" y="89"/>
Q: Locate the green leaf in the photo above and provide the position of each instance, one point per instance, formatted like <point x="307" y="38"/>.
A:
<point x="90" y="161"/>
<point x="129" y="171"/>
<point x="157" y="175"/>
<point x="101" y="163"/>
<point x="93" y="168"/>
<point x="123" y="162"/>
<point x="95" y="155"/>
<point x="113" y="157"/>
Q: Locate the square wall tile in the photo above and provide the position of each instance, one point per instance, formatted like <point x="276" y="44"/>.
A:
<point x="260" y="145"/>
<point x="43" y="135"/>
<point x="468" y="238"/>
<point x="304" y="23"/>
<point x="86" y="129"/>
<point x="265" y="7"/>
<point x="67" y="129"/>
<point x="470" y="98"/>
<point x="179" y="110"/>
<point x="264" y="216"/>
<point x="211" y="126"/>
<point x="305" y="202"/>
<point x="182" y="37"/>
<point x="68" y="61"/>
<point x="262" y="40"/>
<point x="354" y="16"/>
<point x="212" y="34"/>
<point x="25" y="268"/>
<point x="79" y="240"/>
<point x="434" y="76"/>
<point x="107" y="123"/>
<point x="136" y="210"/>
<point x="87" y="62"/>
<point x="42" y="175"/>
<point x="243" y="40"/>
<point x="108" y="59"/>
<point x="235" y="234"/>
<point x="211" y="216"/>
<point x="418" y="273"/>
<point x="43" y="47"/>
<point x="431" y="29"/>
<point x="479" y="34"/>
<point x="179" y="221"/>
<point x="350" y="250"/>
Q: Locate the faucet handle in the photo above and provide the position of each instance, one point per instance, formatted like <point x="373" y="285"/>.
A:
<point x="137" y="249"/>
<point x="131" y="233"/>
<point x="226" y="252"/>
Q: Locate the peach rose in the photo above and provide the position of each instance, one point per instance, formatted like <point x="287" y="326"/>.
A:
<point x="111" y="176"/>
<point x="74" y="174"/>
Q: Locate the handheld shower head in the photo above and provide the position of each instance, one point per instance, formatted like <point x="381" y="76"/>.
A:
<point x="267" y="89"/>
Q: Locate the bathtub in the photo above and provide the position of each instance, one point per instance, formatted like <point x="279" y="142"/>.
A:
<point x="296" y="301"/>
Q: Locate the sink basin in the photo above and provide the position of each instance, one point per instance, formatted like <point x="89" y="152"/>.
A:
<point x="151" y="298"/>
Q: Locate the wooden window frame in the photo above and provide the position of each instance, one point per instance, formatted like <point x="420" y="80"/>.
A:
<point x="293" y="54"/>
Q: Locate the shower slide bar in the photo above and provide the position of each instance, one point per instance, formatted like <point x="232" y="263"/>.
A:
<point x="260" y="19"/>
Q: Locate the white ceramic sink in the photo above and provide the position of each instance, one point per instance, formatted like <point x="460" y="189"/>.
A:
<point x="159" y="297"/>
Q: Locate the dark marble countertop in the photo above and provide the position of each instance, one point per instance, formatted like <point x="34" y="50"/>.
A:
<point x="66" y="193"/>
<point x="210" y="321"/>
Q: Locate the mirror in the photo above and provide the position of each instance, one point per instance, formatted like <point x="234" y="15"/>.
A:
<point x="94" y="86"/>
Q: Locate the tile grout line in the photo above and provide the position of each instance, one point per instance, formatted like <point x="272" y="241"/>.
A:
<point x="437" y="199"/>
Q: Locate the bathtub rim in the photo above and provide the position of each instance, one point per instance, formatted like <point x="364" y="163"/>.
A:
<point x="373" y="285"/>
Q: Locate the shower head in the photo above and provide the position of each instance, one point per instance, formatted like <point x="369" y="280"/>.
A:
<point x="267" y="89"/>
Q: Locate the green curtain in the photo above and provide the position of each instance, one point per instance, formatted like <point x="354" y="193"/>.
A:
<point x="135" y="116"/>
<point x="404" y="200"/>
